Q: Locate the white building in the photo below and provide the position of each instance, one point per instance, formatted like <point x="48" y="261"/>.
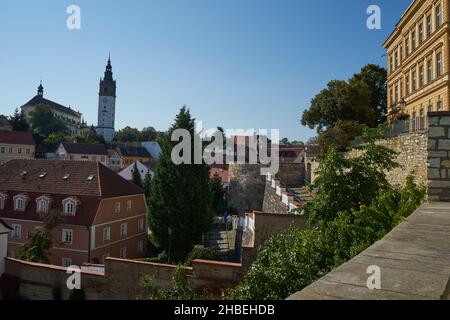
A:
<point x="127" y="173"/>
<point x="4" y="232"/>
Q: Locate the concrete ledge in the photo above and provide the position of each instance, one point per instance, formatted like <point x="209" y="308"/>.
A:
<point x="414" y="260"/>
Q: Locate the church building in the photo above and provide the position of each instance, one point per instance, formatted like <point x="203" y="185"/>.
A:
<point x="107" y="105"/>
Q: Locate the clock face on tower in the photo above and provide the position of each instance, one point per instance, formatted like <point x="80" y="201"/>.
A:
<point x="105" y="100"/>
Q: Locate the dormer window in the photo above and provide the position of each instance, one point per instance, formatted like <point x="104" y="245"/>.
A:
<point x="43" y="204"/>
<point x="70" y="206"/>
<point x="3" y="199"/>
<point x="20" y="202"/>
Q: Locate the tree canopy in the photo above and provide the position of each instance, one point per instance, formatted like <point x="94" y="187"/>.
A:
<point x="44" y="122"/>
<point x="18" y="121"/>
<point x="180" y="205"/>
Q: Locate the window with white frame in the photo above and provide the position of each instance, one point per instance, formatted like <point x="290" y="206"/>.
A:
<point x="438" y="15"/>
<point x="16" y="232"/>
<point x="2" y="202"/>
<point x="19" y="203"/>
<point x="106" y="234"/>
<point x="123" y="252"/>
<point x="67" y="236"/>
<point x="42" y="204"/>
<point x="69" y="206"/>
<point x="129" y="205"/>
<point x="117" y="207"/>
<point x="123" y="229"/>
<point x="141" y="225"/>
<point x="66" y="262"/>
<point x="140" y="246"/>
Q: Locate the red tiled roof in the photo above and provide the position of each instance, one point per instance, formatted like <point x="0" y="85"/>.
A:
<point x="222" y="171"/>
<point x="27" y="177"/>
<point x="16" y="137"/>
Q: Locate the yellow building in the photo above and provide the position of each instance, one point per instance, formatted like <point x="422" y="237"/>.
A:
<point x="418" y="64"/>
<point x="16" y="145"/>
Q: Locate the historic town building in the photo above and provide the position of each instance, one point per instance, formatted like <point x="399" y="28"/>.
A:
<point x="418" y="64"/>
<point x="107" y="105"/>
<point x="102" y="214"/>
<point x="71" y="117"/>
<point x="82" y="152"/>
<point x="16" y="145"/>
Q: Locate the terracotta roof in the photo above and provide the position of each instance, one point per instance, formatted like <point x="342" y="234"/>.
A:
<point x="85" y="148"/>
<point x="36" y="100"/>
<point x="16" y="137"/>
<point x="131" y="151"/>
<point x="24" y="176"/>
<point x="36" y="178"/>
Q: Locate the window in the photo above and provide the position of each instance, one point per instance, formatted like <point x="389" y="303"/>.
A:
<point x="439" y="106"/>
<point x="2" y="201"/>
<point x="414" y="81"/>
<point x="66" y="262"/>
<point x="407" y="46"/>
<point x="413" y="40"/>
<point x="414" y="119"/>
<point x="391" y="64"/>
<point x="391" y="97"/>
<point x="422" y="119"/>
<point x="2" y="150"/>
<point x="19" y="204"/>
<point x="407" y="85"/>
<point x="396" y="93"/>
<point x="420" y="33"/>
<point x="429" y="25"/>
<point x="140" y="246"/>
<point x="67" y="236"/>
<point x="107" y="234"/>
<point x="421" y="77"/>
<point x="43" y="205"/>
<point x="123" y="229"/>
<point x="141" y="225"/>
<point x="438" y="15"/>
<point x="10" y="150"/>
<point x="129" y="205"/>
<point x="69" y="207"/>
<point x="94" y="158"/>
<point x="28" y="151"/>
<point x="123" y="252"/>
<point x="117" y="207"/>
<point x="439" y="64"/>
<point x="396" y="59"/>
<point x="430" y="70"/>
<point x="16" y="232"/>
<point x="19" y="150"/>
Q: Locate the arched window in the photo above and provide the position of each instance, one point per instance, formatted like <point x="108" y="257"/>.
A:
<point x="43" y="206"/>
<point x="19" y="203"/>
<point x="70" y="206"/>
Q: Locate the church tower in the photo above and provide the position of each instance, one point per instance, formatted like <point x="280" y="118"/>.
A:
<point x="107" y="104"/>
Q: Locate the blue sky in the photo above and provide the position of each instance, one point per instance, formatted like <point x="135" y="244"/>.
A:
<point x="234" y="63"/>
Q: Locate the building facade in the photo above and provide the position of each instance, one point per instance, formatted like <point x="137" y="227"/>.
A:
<point x="418" y="64"/>
<point x="70" y="117"/>
<point x="82" y="152"/>
<point x="103" y="214"/>
<point x="16" y="145"/>
<point x="107" y="105"/>
<point x="131" y="154"/>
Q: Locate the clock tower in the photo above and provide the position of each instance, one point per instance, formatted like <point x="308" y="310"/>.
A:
<point x="107" y="105"/>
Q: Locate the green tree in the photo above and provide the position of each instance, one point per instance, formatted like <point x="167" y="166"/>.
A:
<point x="44" y="122"/>
<point x="18" y="121"/>
<point x="53" y="140"/>
<point x="148" y="134"/>
<point x="339" y="136"/>
<point x="361" y="99"/>
<point x="147" y="185"/>
<point x="180" y="201"/>
<point x="219" y="203"/>
<point x="128" y="134"/>
<point x="40" y="241"/>
<point x="137" y="179"/>
<point x="91" y="137"/>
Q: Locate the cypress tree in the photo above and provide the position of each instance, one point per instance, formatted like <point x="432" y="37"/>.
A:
<point x="180" y="201"/>
<point x="147" y="183"/>
<point x="137" y="179"/>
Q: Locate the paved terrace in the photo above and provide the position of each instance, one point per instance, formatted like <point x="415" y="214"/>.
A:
<point x="414" y="259"/>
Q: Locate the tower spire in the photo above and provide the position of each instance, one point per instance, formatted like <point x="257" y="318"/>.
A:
<point x="40" y="91"/>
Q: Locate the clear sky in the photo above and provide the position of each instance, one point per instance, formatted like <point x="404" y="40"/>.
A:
<point x="234" y="63"/>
